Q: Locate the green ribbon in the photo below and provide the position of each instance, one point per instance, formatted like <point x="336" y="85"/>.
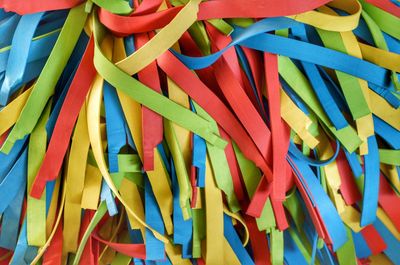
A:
<point x="197" y="30"/>
<point x="148" y="97"/>
<point x="277" y="247"/>
<point x="251" y="177"/>
<point x="180" y="167"/>
<point x="390" y="157"/>
<point x="119" y="7"/>
<point x="347" y="254"/>
<point x="350" y="85"/>
<point x="386" y="21"/>
<point x="36" y="208"/>
<point x="377" y="35"/>
<point x="44" y="87"/>
<point x="298" y="82"/>
<point x="220" y="165"/>
<point x="100" y="212"/>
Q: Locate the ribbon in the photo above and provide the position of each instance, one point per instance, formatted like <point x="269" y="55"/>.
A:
<point x="213" y="132"/>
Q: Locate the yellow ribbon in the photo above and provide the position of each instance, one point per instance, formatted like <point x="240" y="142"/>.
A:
<point x="214" y="219"/>
<point x="10" y="113"/>
<point x="158" y="177"/>
<point x="162" y="41"/>
<point x="75" y="182"/>
<point x="333" y="22"/>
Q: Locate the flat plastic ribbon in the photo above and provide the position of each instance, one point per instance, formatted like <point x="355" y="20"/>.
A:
<point x="45" y="84"/>
<point x="63" y="129"/>
<point x="158" y="177"/>
<point x="75" y="182"/>
<point x="18" y="55"/>
<point x="208" y="10"/>
<point x="371" y="183"/>
<point x="335" y="228"/>
<point x="36" y="208"/>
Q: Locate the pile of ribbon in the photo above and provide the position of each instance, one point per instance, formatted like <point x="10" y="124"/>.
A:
<point x="200" y="132"/>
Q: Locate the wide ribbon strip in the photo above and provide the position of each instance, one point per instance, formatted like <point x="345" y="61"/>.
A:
<point x="200" y="132"/>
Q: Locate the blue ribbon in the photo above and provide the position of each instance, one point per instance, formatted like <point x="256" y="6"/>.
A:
<point x="182" y="228"/>
<point x="18" y="56"/>
<point x="292" y="254"/>
<point x="362" y="249"/>
<point x="199" y="156"/>
<point x="318" y="55"/>
<point x="8" y="161"/>
<point x="235" y="242"/>
<point x="392" y="243"/>
<point x="318" y="163"/>
<point x="106" y="195"/>
<point x="371" y="183"/>
<point x="23" y="253"/>
<point x="39" y="50"/>
<point x="7" y="28"/>
<point x="355" y="166"/>
<point x="136" y="237"/>
<point x="387" y="132"/>
<point x="329" y="215"/>
<point x="115" y="126"/>
<point x="252" y="37"/>
<point x="12" y="183"/>
<point x="116" y="139"/>
<point x="154" y="247"/>
<point x="10" y="222"/>
<point x="321" y="90"/>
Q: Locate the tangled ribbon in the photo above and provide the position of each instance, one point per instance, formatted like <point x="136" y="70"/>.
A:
<point x="200" y="132"/>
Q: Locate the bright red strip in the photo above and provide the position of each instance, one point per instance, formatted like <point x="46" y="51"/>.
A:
<point x="235" y="171"/>
<point x="374" y="240"/>
<point x="131" y="250"/>
<point x="125" y="25"/>
<point x="66" y="121"/>
<point x="152" y="123"/>
<point x="313" y="211"/>
<point x="23" y="7"/>
<point x="146" y="7"/>
<point x="386" y="5"/>
<point x="259" y="243"/>
<point x="53" y="255"/>
<point x="227" y="73"/>
<point x="259" y="198"/>
<point x="200" y="93"/>
<point x="348" y="187"/>
<point x="87" y="257"/>
<point x="280" y="139"/>
<point x="256" y="65"/>
<point x="3" y="137"/>
<point x="389" y="201"/>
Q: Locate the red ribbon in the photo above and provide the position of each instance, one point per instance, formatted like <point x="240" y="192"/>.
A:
<point x="202" y="95"/>
<point x="374" y="240"/>
<point x="131" y="250"/>
<point x="66" y="121"/>
<point x="348" y="187"/>
<point x="88" y="257"/>
<point x="53" y="255"/>
<point x="389" y="201"/>
<point x="152" y="123"/>
<point x="126" y="25"/>
<point x="258" y="242"/>
<point x="387" y="6"/>
<point x="23" y="7"/>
